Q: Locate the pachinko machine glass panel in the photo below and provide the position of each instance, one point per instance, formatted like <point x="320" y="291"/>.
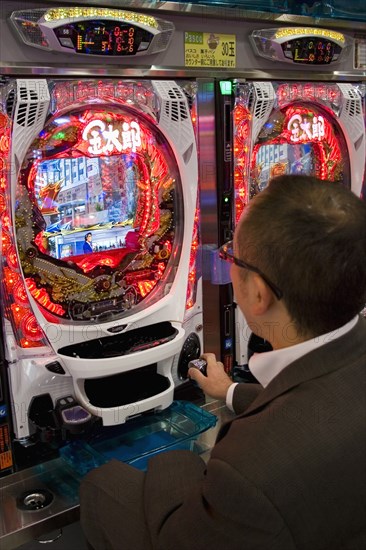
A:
<point x="100" y="231"/>
<point x="97" y="216"/>
<point x="294" y="128"/>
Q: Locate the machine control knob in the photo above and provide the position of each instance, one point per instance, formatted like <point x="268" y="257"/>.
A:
<point x="199" y="364"/>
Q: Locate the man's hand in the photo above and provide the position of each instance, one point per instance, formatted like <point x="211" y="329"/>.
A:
<point x="216" y="382"/>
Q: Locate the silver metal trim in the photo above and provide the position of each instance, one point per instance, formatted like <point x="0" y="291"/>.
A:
<point x="18" y="526"/>
<point x="25" y="69"/>
<point x="205" y="11"/>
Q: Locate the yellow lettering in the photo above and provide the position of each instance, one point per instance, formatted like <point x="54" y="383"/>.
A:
<point x="309" y="31"/>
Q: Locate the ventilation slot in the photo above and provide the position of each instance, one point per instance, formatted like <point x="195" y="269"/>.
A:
<point x="171" y="94"/>
<point x="9" y="104"/>
<point x="22" y="115"/>
<point x="353" y="108"/>
<point x="251" y="98"/>
<point x="32" y="114"/>
<point x="23" y="94"/>
<point x="176" y="111"/>
<point x="27" y="95"/>
<point x="28" y="111"/>
<point x="27" y="114"/>
<point x="42" y="109"/>
<point x="189" y="99"/>
<point x="352" y="93"/>
<point x="264" y="98"/>
<point x="258" y="110"/>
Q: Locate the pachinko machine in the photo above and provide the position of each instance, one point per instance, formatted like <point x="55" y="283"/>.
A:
<point x="309" y="128"/>
<point x="101" y="292"/>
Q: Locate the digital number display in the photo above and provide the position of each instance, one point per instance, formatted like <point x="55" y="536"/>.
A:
<point x="104" y="37"/>
<point x="314" y="50"/>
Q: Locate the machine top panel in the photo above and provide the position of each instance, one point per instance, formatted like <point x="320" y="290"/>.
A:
<point x="176" y="41"/>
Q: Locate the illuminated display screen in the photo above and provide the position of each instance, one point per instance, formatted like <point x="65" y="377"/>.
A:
<point x="104" y="37"/>
<point x="96" y="213"/>
<point x="305" y="143"/>
<point x="86" y="204"/>
<point x="300" y="136"/>
<point x="314" y="51"/>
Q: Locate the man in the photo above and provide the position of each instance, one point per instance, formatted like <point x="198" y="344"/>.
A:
<point x="289" y="472"/>
<point x="87" y="246"/>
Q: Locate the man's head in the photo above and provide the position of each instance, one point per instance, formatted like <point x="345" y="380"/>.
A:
<point x="88" y="237"/>
<point x="309" y="239"/>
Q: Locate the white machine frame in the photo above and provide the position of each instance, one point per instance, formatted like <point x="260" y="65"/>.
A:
<point x="349" y="116"/>
<point x="28" y="375"/>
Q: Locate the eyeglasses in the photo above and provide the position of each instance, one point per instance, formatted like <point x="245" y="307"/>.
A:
<point x="226" y="253"/>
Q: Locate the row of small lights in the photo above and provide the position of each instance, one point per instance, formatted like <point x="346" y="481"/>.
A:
<point x="28" y="332"/>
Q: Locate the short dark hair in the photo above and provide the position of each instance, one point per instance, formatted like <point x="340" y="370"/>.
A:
<point x="87" y="235"/>
<point x="309" y="237"/>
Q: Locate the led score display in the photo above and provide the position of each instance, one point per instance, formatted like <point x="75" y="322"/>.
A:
<point x="312" y="50"/>
<point x="104" y="37"/>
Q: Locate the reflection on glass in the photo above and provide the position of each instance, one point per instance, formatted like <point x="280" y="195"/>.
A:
<point x="96" y="214"/>
<point x="79" y="194"/>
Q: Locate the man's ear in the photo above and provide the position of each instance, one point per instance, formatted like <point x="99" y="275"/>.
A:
<point x="262" y="297"/>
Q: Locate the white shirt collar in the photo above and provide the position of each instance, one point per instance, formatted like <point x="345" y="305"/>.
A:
<point x="265" y="366"/>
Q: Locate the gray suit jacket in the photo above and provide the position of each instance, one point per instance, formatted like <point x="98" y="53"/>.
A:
<point x="288" y="473"/>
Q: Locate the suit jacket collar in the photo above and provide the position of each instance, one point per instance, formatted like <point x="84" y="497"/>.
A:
<point x="329" y="357"/>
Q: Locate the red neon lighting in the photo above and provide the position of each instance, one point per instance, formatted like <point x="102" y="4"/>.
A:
<point x="11" y="258"/>
<point x="241" y="113"/>
<point x="64" y="94"/>
<point x="32" y="175"/>
<point x="19" y="312"/>
<point x="301" y="125"/>
<point x="333" y="94"/>
<point x="106" y="258"/>
<point x="20" y="293"/>
<point x="6" y="222"/>
<point x="144" y="202"/>
<point x="5" y="241"/>
<point x="287" y="93"/>
<point x="2" y="204"/>
<point x="67" y="92"/>
<point x="107" y="133"/>
<point x="3" y="121"/>
<point x="243" y="131"/>
<point x="304" y="126"/>
<point x="308" y="91"/>
<point x="140" y="275"/>
<point x="4" y="144"/>
<point x="106" y="89"/>
<point x="25" y="343"/>
<point x="30" y="328"/>
<point x="161" y="269"/>
<point x="145" y="287"/>
<point x="192" y="275"/>
<point x="41" y="295"/>
<point x="40" y="242"/>
<point x="318" y="131"/>
<point x="10" y="278"/>
<point x="84" y="90"/>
